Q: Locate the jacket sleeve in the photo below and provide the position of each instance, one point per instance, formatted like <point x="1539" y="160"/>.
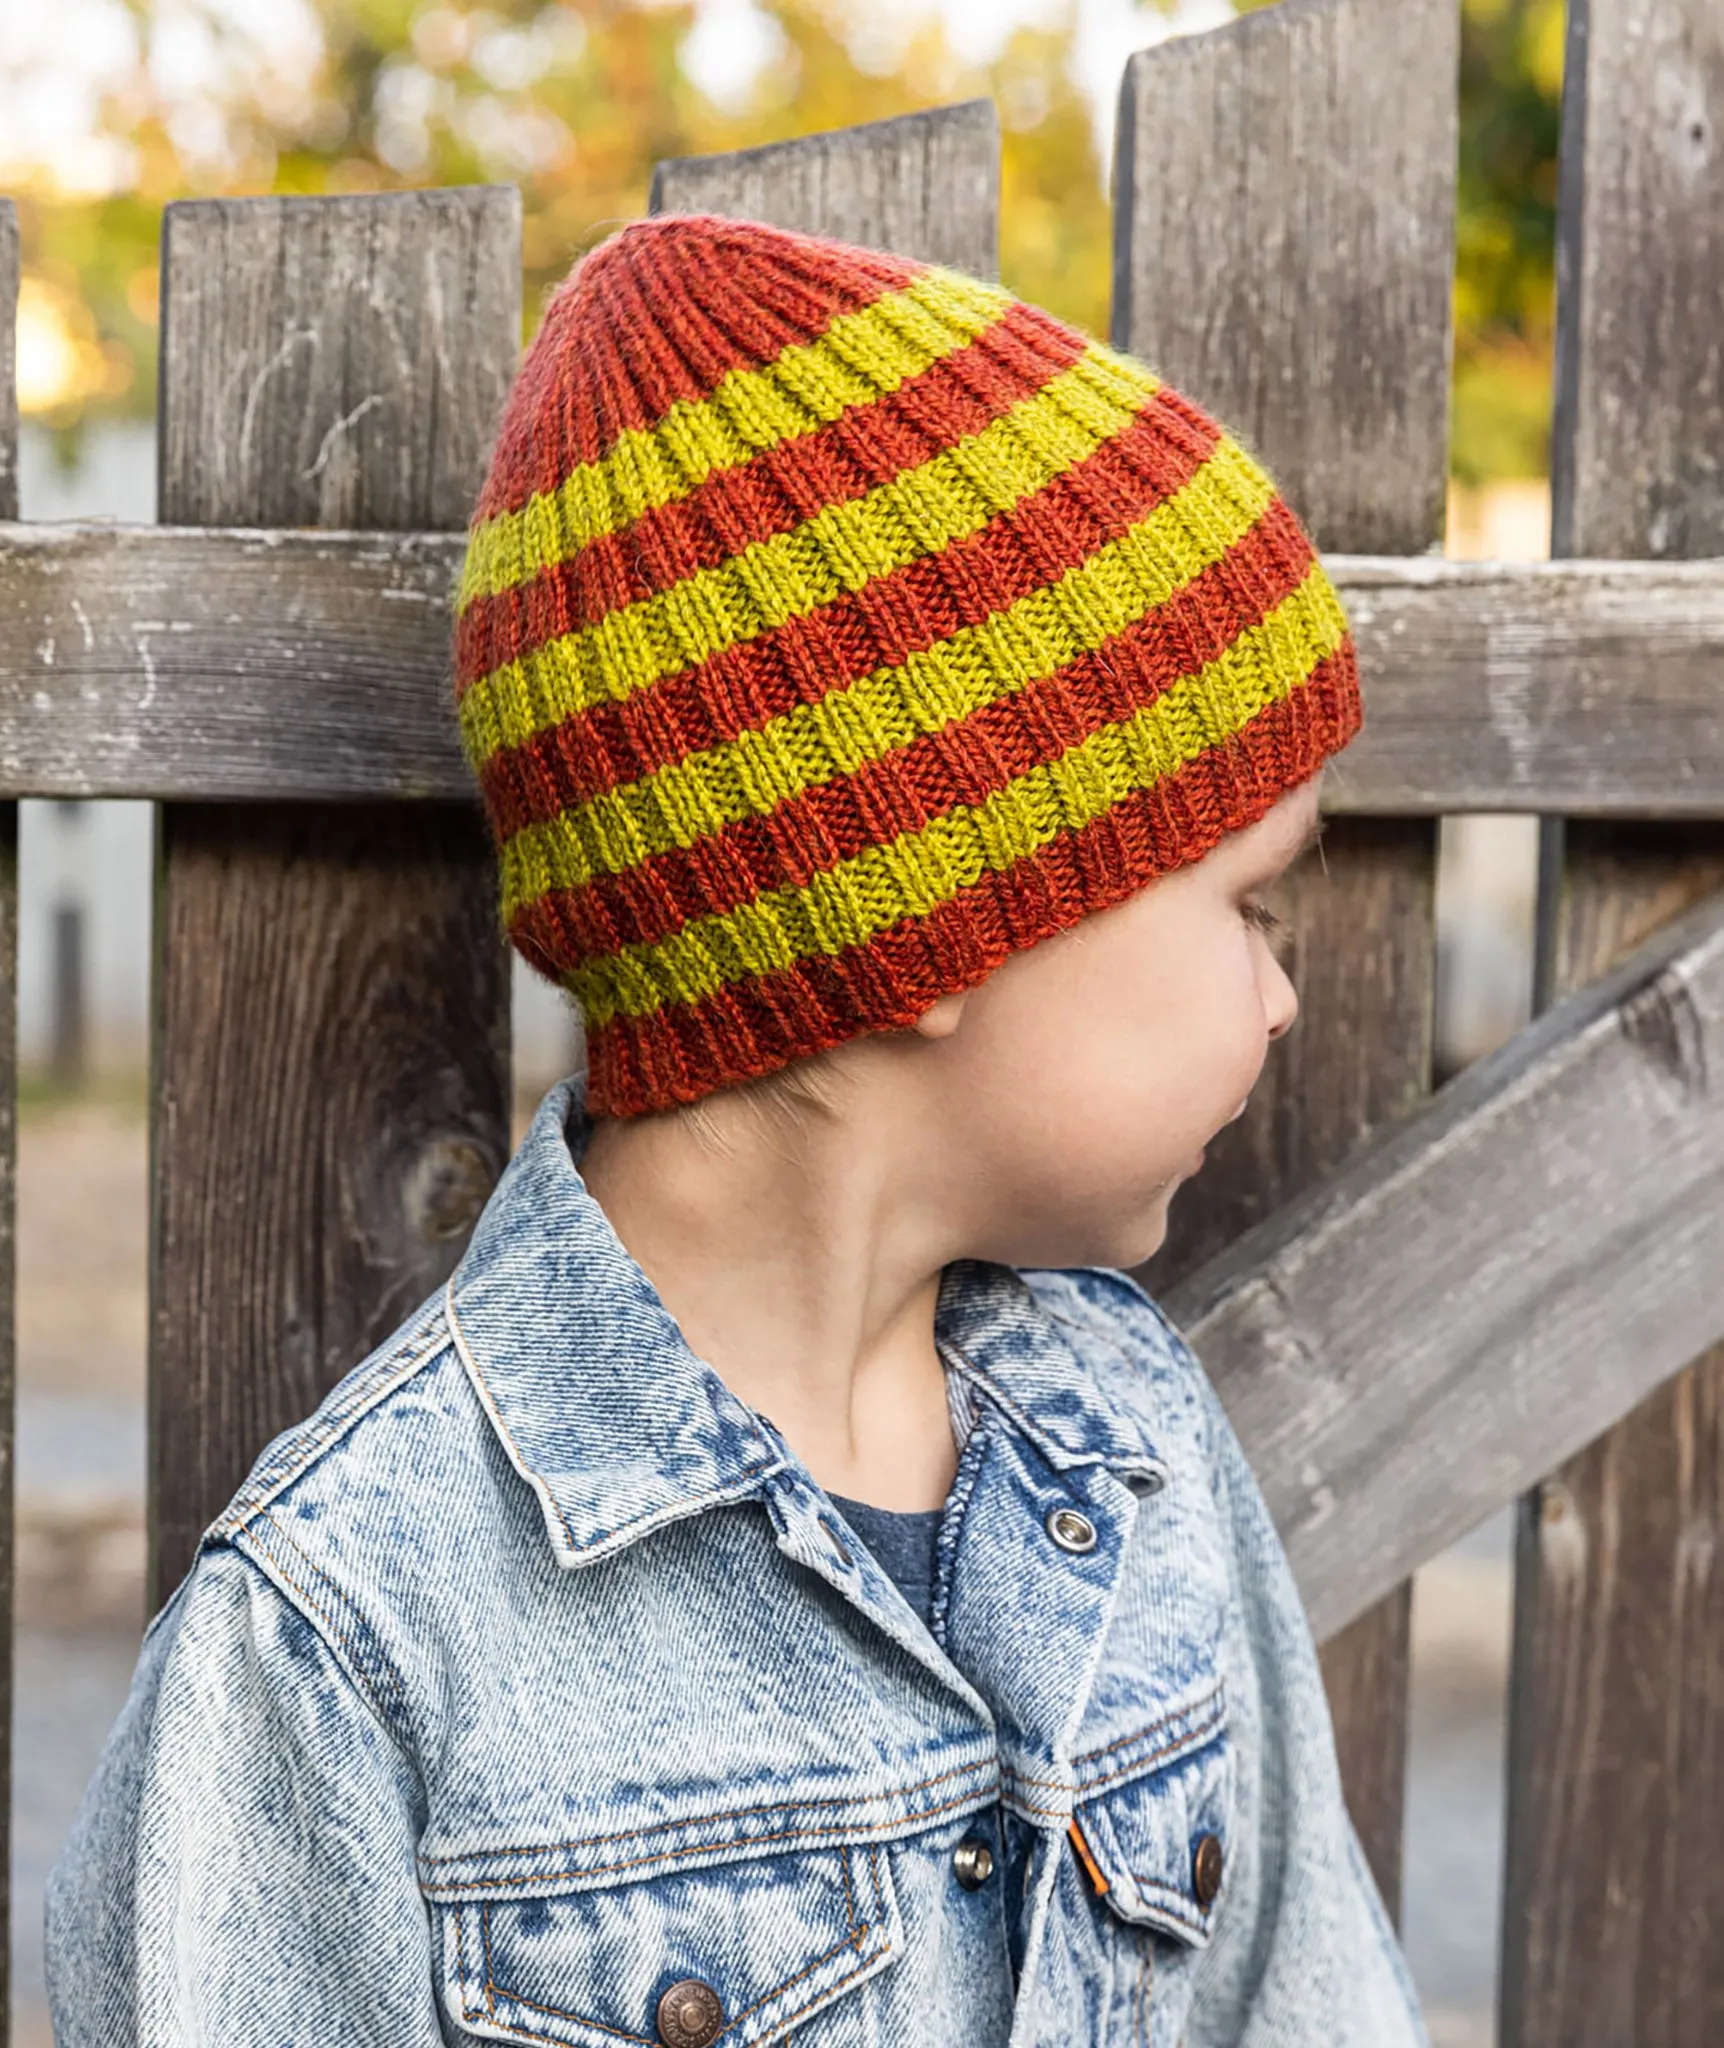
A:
<point x="242" y="1867"/>
<point x="1305" y="1954"/>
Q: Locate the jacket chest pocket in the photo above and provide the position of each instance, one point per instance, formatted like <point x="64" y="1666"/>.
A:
<point x="731" y="1956"/>
<point x="1155" y="1844"/>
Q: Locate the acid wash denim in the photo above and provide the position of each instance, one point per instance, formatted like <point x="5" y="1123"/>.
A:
<point x="535" y="1674"/>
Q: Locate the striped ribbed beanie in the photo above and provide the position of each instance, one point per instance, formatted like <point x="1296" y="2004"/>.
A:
<point x="833" y="625"/>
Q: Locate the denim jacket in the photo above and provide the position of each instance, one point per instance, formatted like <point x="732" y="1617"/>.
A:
<point x="533" y="1691"/>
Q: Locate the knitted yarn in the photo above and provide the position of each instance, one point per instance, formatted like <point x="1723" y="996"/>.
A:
<point x="833" y="626"/>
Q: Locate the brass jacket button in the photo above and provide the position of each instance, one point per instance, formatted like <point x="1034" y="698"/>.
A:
<point x="1207" y="1864"/>
<point x="690" y="2015"/>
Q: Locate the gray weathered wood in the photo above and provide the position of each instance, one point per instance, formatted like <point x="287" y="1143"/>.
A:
<point x="1296" y="178"/>
<point x="1284" y="245"/>
<point x="330" y="1093"/>
<point x="155" y="661"/>
<point x="222" y="665"/>
<point x="1411" y="1343"/>
<point x="1614" y="1882"/>
<point x="1637" y="450"/>
<point x="1617" y="1709"/>
<point x="8" y="1129"/>
<point x="1586" y="687"/>
<point x="924" y="185"/>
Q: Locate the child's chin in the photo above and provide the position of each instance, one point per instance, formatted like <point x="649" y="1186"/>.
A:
<point x="1147" y="1235"/>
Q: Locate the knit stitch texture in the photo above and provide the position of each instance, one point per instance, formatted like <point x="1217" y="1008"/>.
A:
<point x="833" y="626"/>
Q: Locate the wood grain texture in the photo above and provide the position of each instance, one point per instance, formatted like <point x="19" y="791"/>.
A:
<point x="8" y="1132"/>
<point x="154" y="661"/>
<point x="1284" y="249"/>
<point x="1614" y="1883"/>
<point x="330" y="1088"/>
<point x="924" y="185"/>
<point x="1615" y="1877"/>
<point x="1296" y="182"/>
<point x="160" y="661"/>
<point x="1637" y="451"/>
<point x="337" y="362"/>
<point x="1590" y="688"/>
<point x="1472" y="1299"/>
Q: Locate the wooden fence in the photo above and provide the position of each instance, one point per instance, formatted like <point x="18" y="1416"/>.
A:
<point x="1417" y="1308"/>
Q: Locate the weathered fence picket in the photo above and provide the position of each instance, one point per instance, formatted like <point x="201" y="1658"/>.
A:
<point x="1247" y="289"/>
<point x="1614" y="1897"/>
<point x="925" y="185"/>
<point x="330" y="1093"/>
<point x="1413" y="1309"/>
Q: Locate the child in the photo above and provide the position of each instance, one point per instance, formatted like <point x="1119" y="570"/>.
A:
<point x="790" y="1584"/>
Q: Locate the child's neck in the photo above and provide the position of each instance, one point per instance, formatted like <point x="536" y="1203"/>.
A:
<point x="803" y="1263"/>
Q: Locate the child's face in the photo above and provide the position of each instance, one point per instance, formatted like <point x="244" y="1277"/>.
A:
<point x="1094" y="1067"/>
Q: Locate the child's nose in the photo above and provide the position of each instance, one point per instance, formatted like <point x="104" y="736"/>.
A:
<point x="1280" y="1000"/>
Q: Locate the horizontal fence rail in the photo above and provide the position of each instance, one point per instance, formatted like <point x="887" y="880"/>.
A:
<point x="158" y="661"/>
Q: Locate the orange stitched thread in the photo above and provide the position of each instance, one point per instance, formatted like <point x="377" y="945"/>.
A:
<point x="1087" y="1860"/>
<point x="849" y="1891"/>
<point x="1139" y="1767"/>
<point x="1211" y="1704"/>
<point x="558" y="2012"/>
<point x="447" y="1889"/>
<point x="983" y="1765"/>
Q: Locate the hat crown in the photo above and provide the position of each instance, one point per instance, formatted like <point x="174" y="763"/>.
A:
<point x="658" y="316"/>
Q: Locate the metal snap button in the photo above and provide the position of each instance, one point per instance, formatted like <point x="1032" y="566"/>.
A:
<point x="1207" y="1864"/>
<point x="690" y="2015"/>
<point x="972" y="1863"/>
<point x="1072" y="1531"/>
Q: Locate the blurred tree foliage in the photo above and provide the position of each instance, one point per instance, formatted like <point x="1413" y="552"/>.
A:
<point x="1505" y="288"/>
<point x="574" y="100"/>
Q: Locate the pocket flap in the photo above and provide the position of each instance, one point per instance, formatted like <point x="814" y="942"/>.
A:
<point x="765" y="1943"/>
<point x="1155" y="1849"/>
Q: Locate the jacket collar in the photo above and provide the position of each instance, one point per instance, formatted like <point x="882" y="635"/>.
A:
<point x="618" y="1426"/>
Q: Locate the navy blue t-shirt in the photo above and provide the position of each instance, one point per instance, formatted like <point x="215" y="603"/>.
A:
<point x="903" y="1547"/>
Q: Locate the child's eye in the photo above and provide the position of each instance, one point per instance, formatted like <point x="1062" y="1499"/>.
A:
<point x="1264" y="920"/>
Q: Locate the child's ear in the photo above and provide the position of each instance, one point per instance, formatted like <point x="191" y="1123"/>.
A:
<point x="944" y="1017"/>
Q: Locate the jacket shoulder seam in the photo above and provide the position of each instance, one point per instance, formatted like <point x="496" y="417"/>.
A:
<point x="305" y="1446"/>
<point x="297" y="1577"/>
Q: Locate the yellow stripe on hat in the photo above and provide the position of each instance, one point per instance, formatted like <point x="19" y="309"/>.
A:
<point x="914" y="874"/>
<point x="860" y="357"/>
<point x="833" y="554"/>
<point x="686" y="801"/>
